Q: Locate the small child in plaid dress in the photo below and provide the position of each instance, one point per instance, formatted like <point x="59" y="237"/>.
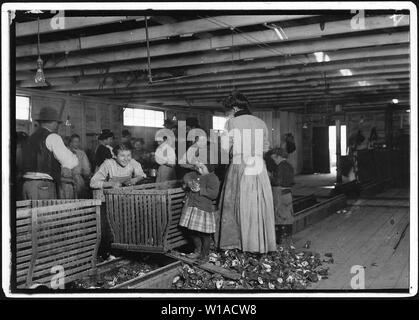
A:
<point x="198" y="214"/>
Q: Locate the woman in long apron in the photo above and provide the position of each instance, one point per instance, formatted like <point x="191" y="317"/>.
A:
<point x="246" y="203"/>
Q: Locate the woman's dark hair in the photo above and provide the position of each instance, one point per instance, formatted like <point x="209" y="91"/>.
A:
<point x="126" y="133"/>
<point x="236" y="99"/>
<point x="120" y="147"/>
<point x="75" y="135"/>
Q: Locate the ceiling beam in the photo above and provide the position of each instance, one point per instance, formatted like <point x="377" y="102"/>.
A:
<point x="315" y="84"/>
<point x="92" y="82"/>
<point x="376" y="98"/>
<point x="277" y="50"/>
<point x="70" y="23"/>
<point x="155" y="33"/>
<point x="278" y="76"/>
<point x="302" y="91"/>
<point x="240" y="65"/>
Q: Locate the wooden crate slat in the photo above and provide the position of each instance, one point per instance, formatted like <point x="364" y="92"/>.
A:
<point x="150" y="221"/>
<point x="21" y="213"/>
<point x="23" y="203"/>
<point x="118" y="214"/>
<point x="81" y="259"/>
<point x="25" y="255"/>
<point x="51" y="226"/>
<point x="143" y="215"/>
<point x="177" y="244"/>
<point x="41" y="262"/>
<point x="69" y="234"/>
<point x="56" y="245"/>
<point x="23" y="222"/>
<point x="65" y="231"/>
<point x="137" y="218"/>
<point x="47" y="268"/>
<point x="133" y="220"/>
<point x="64" y="216"/>
<point x="140" y="202"/>
<point x="55" y="232"/>
<point x="77" y="273"/>
<point x="69" y="277"/>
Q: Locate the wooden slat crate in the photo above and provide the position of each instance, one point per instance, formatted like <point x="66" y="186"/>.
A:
<point x="146" y="217"/>
<point x="53" y="233"/>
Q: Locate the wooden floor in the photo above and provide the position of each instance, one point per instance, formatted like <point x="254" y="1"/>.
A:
<point x="318" y="184"/>
<point x="365" y="235"/>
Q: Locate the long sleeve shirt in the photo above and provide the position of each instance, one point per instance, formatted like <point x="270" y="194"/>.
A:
<point x="251" y="139"/>
<point x="65" y="157"/>
<point x="111" y="170"/>
<point x="83" y="168"/>
<point x="283" y="175"/>
<point x="209" y="185"/>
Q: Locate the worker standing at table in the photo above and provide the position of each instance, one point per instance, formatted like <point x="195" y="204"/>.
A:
<point x="46" y="159"/>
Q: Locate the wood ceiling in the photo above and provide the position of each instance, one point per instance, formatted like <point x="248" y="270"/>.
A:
<point x="309" y="61"/>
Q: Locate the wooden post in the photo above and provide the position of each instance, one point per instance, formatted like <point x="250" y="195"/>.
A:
<point x="338" y="153"/>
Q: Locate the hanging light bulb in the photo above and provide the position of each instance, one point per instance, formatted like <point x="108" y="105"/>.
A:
<point x="305" y="125"/>
<point x="40" y="76"/>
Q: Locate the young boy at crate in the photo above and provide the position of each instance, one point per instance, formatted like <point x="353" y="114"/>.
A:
<point x="282" y="179"/>
<point x="198" y="214"/>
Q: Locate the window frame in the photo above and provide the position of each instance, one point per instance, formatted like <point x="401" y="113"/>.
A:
<point x="29" y="108"/>
<point x="145" y="110"/>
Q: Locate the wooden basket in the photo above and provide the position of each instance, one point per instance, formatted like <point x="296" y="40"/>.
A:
<point x="55" y="233"/>
<point x="146" y="217"/>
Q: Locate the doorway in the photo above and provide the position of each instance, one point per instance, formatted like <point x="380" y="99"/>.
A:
<point x="321" y="157"/>
<point x="332" y="145"/>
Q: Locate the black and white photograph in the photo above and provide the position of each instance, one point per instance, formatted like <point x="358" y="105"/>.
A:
<point x="212" y="149"/>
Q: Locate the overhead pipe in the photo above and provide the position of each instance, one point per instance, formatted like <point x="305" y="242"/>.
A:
<point x="150" y="78"/>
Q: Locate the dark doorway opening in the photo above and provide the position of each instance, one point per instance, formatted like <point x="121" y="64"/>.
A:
<point x="321" y="160"/>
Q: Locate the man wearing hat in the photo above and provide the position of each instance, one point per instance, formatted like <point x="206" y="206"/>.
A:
<point x="46" y="159"/>
<point x="282" y="179"/>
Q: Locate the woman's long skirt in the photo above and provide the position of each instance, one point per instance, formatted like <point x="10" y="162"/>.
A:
<point x="247" y="214"/>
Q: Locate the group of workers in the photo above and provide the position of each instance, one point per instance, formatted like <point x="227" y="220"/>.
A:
<point x="254" y="211"/>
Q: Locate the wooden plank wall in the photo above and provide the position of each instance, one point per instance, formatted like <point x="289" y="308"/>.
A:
<point x="279" y="123"/>
<point x="88" y="116"/>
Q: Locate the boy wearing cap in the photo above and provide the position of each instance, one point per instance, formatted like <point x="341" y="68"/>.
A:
<point x="46" y="159"/>
<point x="282" y="179"/>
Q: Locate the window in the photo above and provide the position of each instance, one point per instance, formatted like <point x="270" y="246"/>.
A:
<point x="22" y="108"/>
<point x="143" y="118"/>
<point x="218" y="122"/>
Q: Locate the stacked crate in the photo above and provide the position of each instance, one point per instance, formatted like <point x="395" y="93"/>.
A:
<point x="146" y="217"/>
<point x="53" y="236"/>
